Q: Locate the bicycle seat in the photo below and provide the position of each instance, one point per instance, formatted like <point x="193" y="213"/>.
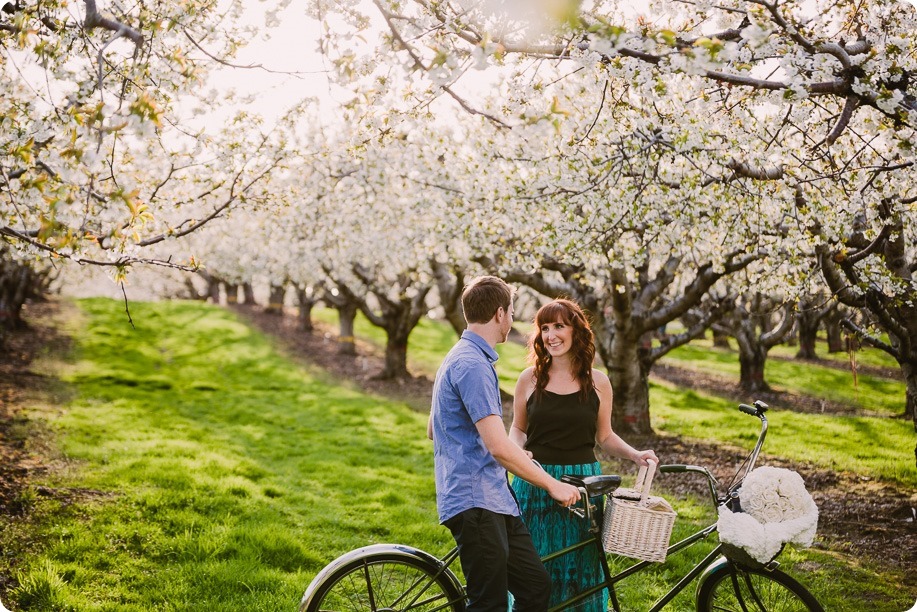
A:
<point x="594" y="485"/>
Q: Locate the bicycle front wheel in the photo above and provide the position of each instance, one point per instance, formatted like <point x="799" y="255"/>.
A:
<point x="385" y="581"/>
<point x="733" y="588"/>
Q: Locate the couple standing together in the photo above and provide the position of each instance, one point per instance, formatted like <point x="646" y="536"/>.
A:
<point x="562" y="409"/>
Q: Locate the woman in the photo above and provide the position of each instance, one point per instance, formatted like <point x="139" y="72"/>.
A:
<point x="562" y="409"/>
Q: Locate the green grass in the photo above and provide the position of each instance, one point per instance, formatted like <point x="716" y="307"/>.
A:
<point x="205" y="471"/>
<point x="870" y="393"/>
<point x="226" y="474"/>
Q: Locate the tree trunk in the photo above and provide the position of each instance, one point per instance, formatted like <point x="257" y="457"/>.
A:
<point x="396" y="356"/>
<point x="807" y="322"/>
<point x="450" y="282"/>
<point x="248" y="293"/>
<point x="751" y="367"/>
<point x="752" y="353"/>
<point x="306" y="300"/>
<point x="792" y="339"/>
<point x="275" y="302"/>
<point x="456" y="319"/>
<point x="398" y="320"/>
<point x="833" y="330"/>
<point x="19" y="282"/>
<point x="347" y="312"/>
<point x="720" y="339"/>
<point x="630" y="412"/>
<point x="909" y="370"/>
<point x="213" y="289"/>
<point x="232" y="294"/>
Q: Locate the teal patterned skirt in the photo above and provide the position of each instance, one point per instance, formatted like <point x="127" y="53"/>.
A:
<point x="553" y="528"/>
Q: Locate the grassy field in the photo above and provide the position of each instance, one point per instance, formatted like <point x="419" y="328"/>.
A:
<point x="201" y="469"/>
<point x="880" y="396"/>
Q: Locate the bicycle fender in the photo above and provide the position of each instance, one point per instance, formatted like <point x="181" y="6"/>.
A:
<point x="354" y="556"/>
<point x="713" y="568"/>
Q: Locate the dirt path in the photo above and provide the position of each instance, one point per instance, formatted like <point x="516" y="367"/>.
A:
<point x="859" y="517"/>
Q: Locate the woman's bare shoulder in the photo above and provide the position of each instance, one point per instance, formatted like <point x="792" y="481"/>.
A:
<point x="600" y="378"/>
<point x="526" y="380"/>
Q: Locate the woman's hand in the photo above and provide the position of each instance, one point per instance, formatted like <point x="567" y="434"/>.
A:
<point x="643" y="457"/>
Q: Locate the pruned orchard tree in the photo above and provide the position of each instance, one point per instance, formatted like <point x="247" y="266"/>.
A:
<point x="813" y="102"/>
<point x="376" y="231"/>
<point x="758" y="322"/>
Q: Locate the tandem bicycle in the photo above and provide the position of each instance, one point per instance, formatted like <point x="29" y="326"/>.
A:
<point x="400" y="578"/>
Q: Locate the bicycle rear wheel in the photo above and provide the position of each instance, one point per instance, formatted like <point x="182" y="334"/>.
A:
<point x="385" y="581"/>
<point x="733" y="588"/>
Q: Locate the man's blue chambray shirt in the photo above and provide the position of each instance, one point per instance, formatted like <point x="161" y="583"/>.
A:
<point x="465" y="391"/>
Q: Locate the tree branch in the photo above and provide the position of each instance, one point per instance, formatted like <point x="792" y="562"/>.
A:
<point x="775" y="336"/>
<point x="94" y="19"/>
<point x="869" y="339"/>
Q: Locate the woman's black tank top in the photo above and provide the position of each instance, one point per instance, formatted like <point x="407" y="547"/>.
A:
<point x="561" y="428"/>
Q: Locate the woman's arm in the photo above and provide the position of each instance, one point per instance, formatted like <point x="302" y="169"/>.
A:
<point x="524" y="386"/>
<point x="608" y="440"/>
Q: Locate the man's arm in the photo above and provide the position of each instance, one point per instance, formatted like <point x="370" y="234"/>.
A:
<point x="515" y="460"/>
<point x="430" y="425"/>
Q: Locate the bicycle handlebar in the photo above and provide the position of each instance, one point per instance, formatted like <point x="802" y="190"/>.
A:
<point x="757" y="410"/>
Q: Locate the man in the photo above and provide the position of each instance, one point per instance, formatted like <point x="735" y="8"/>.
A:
<point x="472" y="456"/>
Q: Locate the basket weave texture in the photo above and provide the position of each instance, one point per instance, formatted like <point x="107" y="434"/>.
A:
<point x="637" y="524"/>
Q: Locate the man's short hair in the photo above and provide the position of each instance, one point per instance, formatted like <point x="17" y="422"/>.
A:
<point x="483" y="296"/>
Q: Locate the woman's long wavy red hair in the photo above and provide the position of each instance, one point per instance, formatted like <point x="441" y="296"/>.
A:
<point x="582" y="353"/>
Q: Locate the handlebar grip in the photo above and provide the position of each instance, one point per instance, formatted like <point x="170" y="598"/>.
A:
<point x="748" y="409"/>
<point x="673" y="468"/>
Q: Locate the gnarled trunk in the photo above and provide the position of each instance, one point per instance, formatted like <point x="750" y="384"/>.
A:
<point x="623" y="356"/>
<point x="751" y="368"/>
<point x="450" y="282"/>
<point x="213" y="289"/>
<point x="808" y="323"/>
<point x="910" y="394"/>
<point x="347" y="313"/>
<point x="396" y="357"/>
<point x="306" y="299"/>
<point x="834" y="332"/>
<point x="232" y="294"/>
<point x="721" y="339"/>
<point x="275" y="301"/>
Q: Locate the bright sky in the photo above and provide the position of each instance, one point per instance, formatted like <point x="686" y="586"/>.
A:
<point x="293" y="68"/>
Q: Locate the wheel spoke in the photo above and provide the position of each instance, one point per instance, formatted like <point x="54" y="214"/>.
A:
<point x="369" y="588"/>
<point x="738" y="590"/>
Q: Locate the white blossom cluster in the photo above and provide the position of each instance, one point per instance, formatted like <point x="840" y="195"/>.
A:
<point x="776" y="509"/>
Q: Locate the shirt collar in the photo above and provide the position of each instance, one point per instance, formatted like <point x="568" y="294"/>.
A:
<point x="482" y="344"/>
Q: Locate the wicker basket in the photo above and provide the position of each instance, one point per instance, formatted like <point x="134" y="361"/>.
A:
<point x="637" y="524"/>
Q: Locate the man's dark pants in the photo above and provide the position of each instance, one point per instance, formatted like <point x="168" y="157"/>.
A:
<point x="497" y="556"/>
